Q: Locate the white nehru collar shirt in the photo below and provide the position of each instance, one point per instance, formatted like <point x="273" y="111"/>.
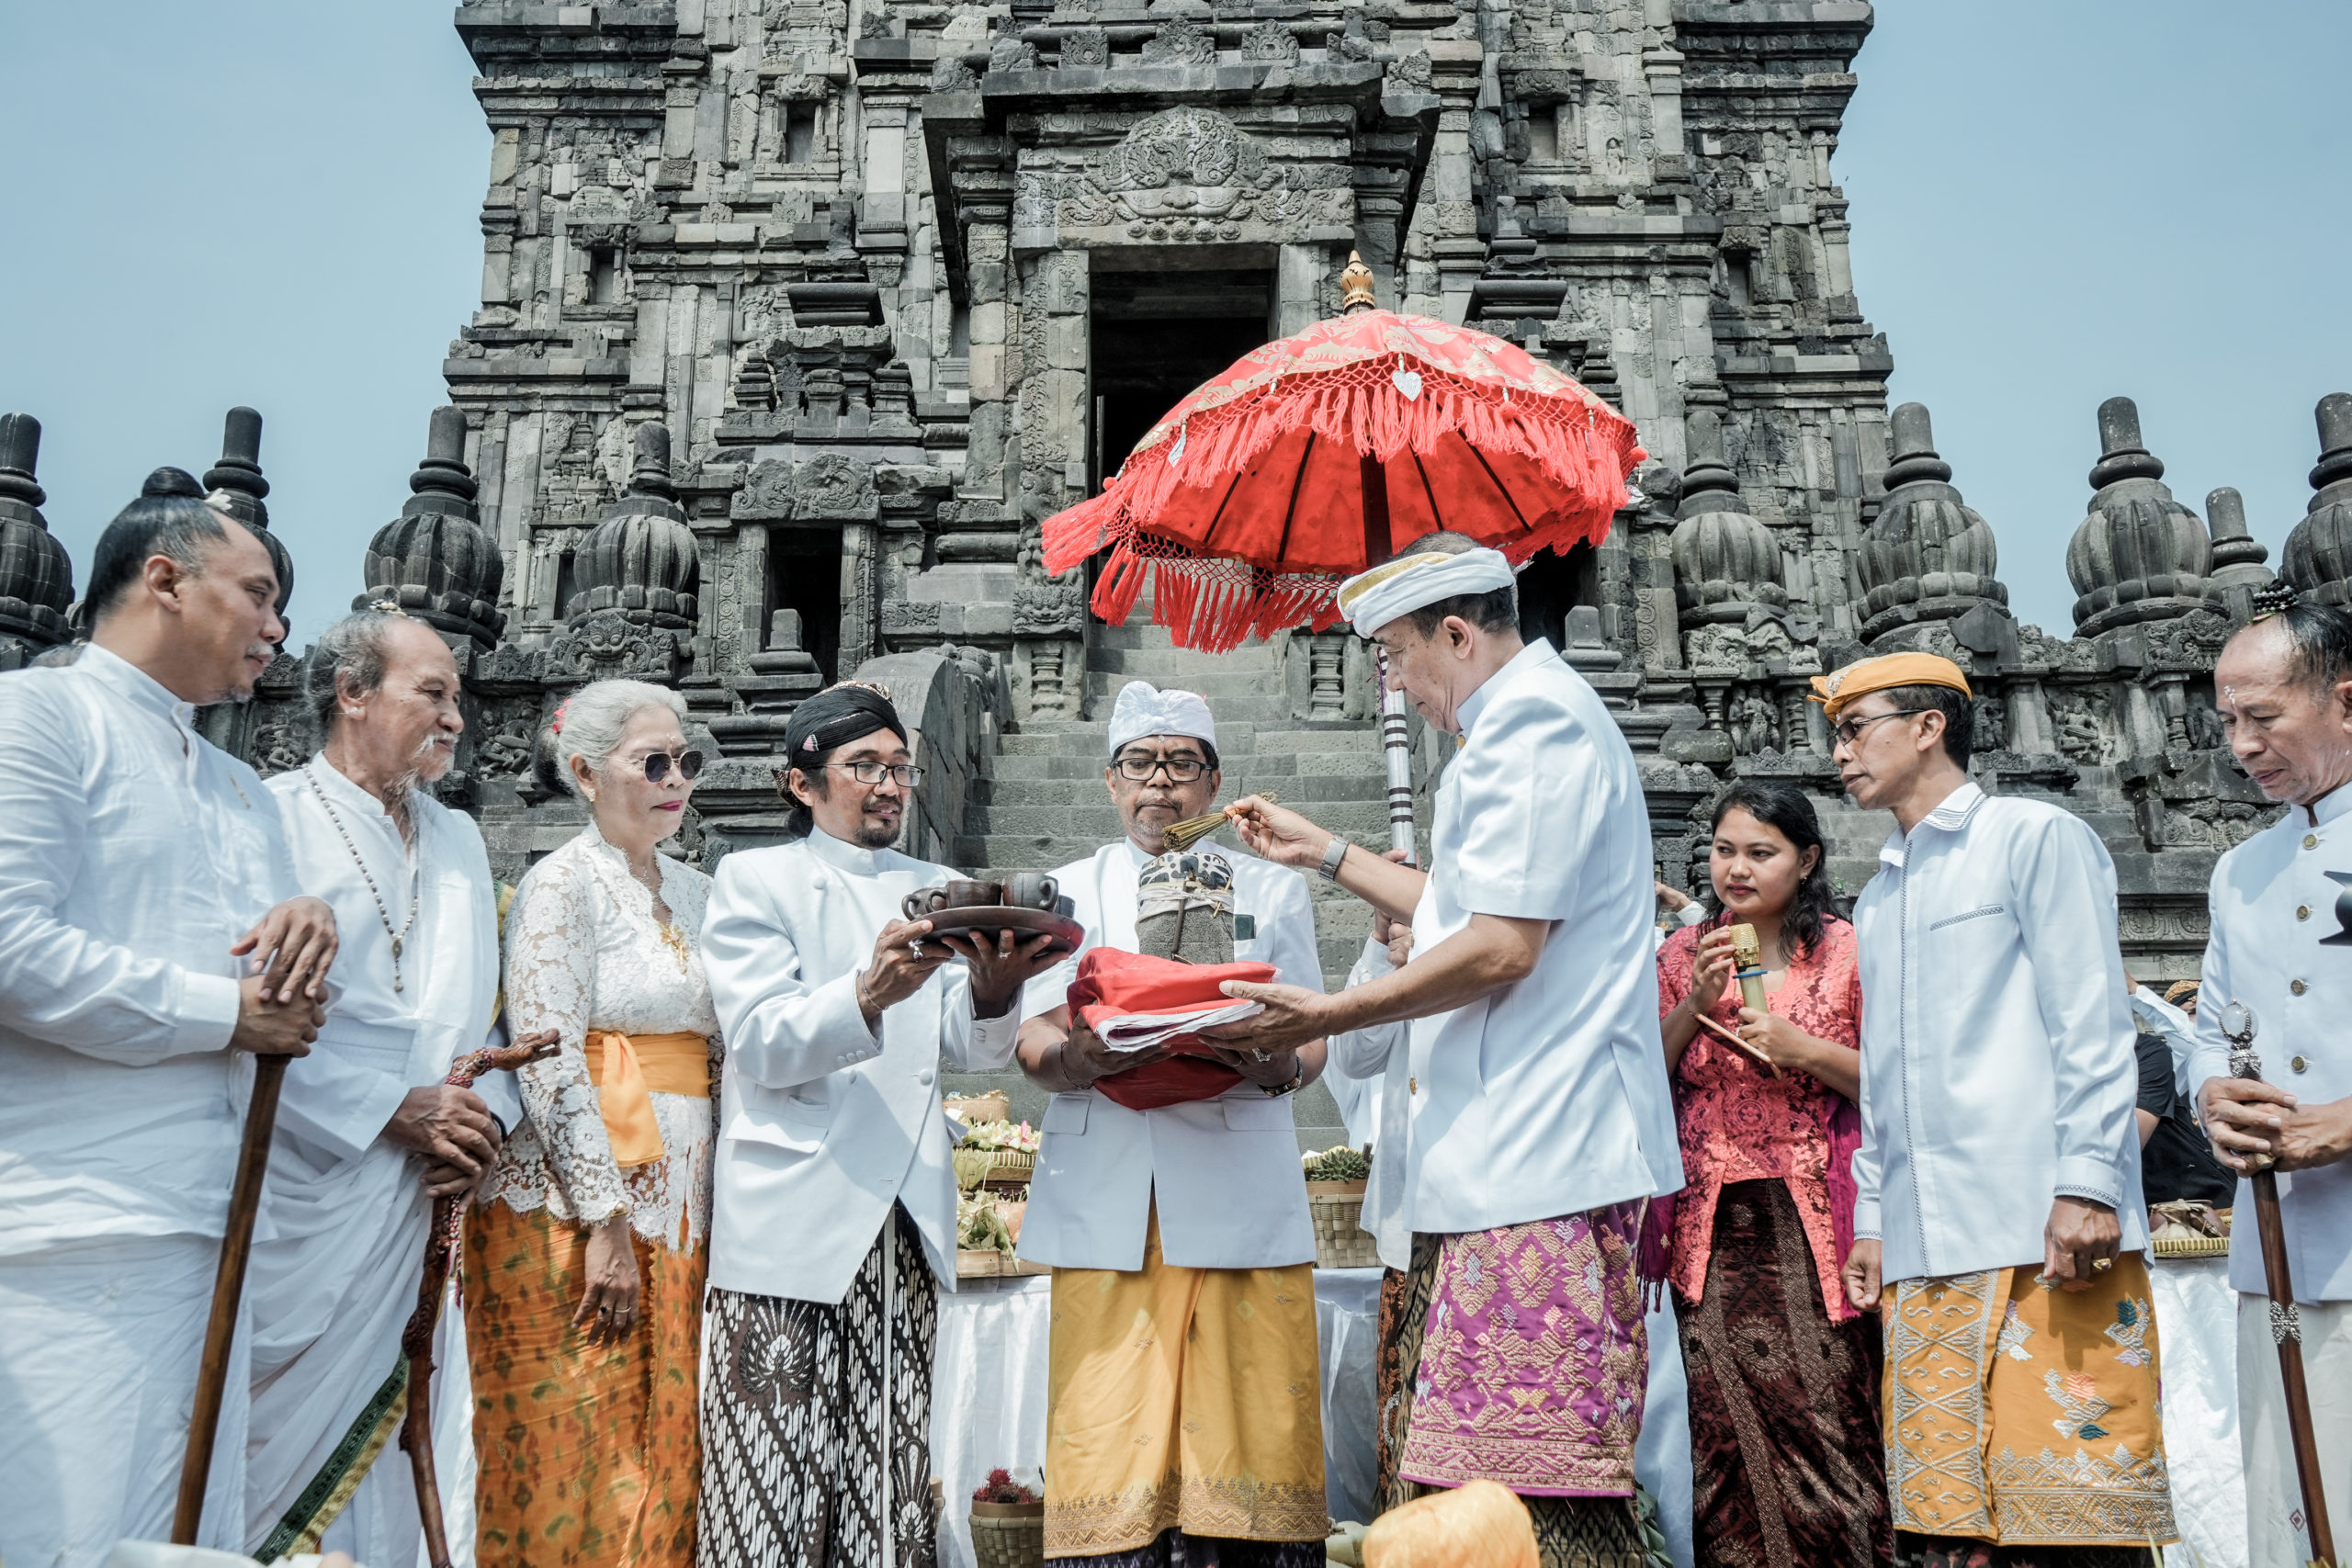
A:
<point x="377" y="1043"/>
<point x="1998" y="1070"/>
<point x="1548" y="1097"/>
<point x="1223" y="1174"/>
<point x="134" y="852"/>
<point x="2272" y="901"/>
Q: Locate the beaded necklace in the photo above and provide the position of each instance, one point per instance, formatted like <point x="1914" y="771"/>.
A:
<point x="400" y="936"/>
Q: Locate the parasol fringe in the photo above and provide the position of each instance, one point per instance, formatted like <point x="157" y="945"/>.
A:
<point x="1584" y="449"/>
<point x="1208" y="613"/>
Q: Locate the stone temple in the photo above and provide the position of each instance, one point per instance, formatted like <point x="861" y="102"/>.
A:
<point x="798" y="316"/>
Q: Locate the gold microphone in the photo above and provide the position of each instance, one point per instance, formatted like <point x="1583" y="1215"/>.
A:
<point x="1748" y="958"/>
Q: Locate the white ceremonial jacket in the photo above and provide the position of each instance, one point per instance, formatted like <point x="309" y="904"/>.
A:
<point x="824" y="1126"/>
<point x="133" y="852"/>
<point x="1549" y="1097"/>
<point x="1998" y="1070"/>
<point x="332" y="1291"/>
<point x="1225" y="1172"/>
<point x="1375" y="1063"/>
<point x="2271" y="903"/>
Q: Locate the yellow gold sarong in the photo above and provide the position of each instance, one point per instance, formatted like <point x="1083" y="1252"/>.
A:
<point x="1188" y="1398"/>
<point x="2026" y="1416"/>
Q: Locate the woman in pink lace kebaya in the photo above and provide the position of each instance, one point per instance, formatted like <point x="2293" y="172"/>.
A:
<point x="1787" y="1459"/>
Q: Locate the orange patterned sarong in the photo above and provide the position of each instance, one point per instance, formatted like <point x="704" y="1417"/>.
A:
<point x="591" y="1455"/>
<point x="2025" y="1415"/>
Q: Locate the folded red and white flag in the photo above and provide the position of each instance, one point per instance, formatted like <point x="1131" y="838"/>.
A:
<point x="1137" y="1003"/>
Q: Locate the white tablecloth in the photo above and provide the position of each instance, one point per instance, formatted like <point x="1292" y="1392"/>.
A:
<point x="987" y="1406"/>
<point x="988" y="1396"/>
<point x="2197" y="1333"/>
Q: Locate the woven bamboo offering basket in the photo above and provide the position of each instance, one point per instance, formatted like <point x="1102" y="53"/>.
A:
<point x="1340" y="1240"/>
<point x="1009" y="1535"/>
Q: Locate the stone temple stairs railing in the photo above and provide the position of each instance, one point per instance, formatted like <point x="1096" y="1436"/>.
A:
<point x="1045" y="805"/>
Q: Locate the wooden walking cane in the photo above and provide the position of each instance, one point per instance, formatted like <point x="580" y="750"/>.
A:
<point x="2286" y="1322"/>
<point x="442" y="1244"/>
<point x="228" y="1290"/>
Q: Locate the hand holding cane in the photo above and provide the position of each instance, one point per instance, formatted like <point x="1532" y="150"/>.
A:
<point x="2286" y="1322"/>
<point x="442" y="1244"/>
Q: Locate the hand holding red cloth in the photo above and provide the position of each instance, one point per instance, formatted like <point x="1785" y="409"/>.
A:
<point x="1112" y="984"/>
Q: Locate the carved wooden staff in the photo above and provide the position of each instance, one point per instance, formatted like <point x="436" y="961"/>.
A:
<point x="2286" y="1322"/>
<point x="441" y="1248"/>
<point x="228" y="1290"/>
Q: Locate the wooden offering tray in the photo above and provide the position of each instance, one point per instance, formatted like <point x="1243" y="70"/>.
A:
<point x="970" y="920"/>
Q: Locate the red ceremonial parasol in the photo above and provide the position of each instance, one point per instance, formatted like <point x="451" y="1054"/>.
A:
<point x="1314" y="457"/>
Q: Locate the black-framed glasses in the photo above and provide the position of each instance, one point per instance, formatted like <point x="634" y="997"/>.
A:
<point x="1850" y="730"/>
<point x="657" y="765"/>
<point x="1139" y="769"/>
<point x="906" y="775"/>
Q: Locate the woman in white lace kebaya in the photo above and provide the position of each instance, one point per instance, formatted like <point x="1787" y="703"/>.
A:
<point x="585" y="1257"/>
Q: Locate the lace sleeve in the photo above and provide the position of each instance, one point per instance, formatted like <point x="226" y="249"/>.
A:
<point x="1677" y="965"/>
<point x="550" y="979"/>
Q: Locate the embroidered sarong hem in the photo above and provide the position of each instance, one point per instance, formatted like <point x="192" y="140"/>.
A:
<point x="1980" y="1365"/>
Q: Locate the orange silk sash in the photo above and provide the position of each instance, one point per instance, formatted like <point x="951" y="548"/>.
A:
<point x="627" y="1070"/>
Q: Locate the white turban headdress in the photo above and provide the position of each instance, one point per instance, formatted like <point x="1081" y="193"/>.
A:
<point x="1143" y="709"/>
<point x="1370" y="600"/>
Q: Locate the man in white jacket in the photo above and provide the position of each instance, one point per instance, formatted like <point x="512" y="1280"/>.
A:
<point x="833" y="1224"/>
<point x="1998" y="1224"/>
<point x="1192" y="1217"/>
<point x="367" y="1133"/>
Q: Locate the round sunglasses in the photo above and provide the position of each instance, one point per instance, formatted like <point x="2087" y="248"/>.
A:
<point x="657" y="765"/>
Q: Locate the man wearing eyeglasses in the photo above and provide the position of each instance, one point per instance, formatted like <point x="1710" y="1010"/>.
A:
<point x="1999" y="1222"/>
<point x="1194" y="1214"/>
<point x="833" y="1224"/>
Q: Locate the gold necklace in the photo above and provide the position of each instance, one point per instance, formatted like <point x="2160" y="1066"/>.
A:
<point x="663" y="927"/>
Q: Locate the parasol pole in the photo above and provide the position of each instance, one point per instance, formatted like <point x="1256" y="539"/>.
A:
<point x="228" y="1291"/>
<point x="2286" y="1322"/>
<point x="1355" y="285"/>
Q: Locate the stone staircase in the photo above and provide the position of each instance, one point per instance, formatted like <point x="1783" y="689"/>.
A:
<point x="1044" y="803"/>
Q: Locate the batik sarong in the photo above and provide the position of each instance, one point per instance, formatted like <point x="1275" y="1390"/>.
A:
<point x="2024" y="1415"/>
<point x="1532" y="1369"/>
<point x="1788" y="1461"/>
<point x="1405" y="1300"/>
<point x="817" y="1420"/>
<point x="1183" y="1400"/>
<point x="589" y="1453"/>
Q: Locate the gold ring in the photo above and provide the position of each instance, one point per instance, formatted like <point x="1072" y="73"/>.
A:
<point x="2101" y="1265"/>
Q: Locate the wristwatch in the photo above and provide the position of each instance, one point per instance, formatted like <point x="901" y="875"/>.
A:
<point x="1298" y="1082"/>
<point x="1332" y="855"/>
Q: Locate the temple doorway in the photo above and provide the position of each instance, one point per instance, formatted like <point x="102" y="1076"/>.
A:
<point x="805" y="574"/>
<point x="1552" y="586"/>
<point x="1157" y="335"/>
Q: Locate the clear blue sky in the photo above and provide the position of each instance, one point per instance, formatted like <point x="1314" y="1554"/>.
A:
<point x="263" y="202"/>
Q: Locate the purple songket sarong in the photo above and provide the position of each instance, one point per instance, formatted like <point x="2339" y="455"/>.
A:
<point x="1534" y="1361"/>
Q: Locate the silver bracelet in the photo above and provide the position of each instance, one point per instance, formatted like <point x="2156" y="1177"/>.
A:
<point x="1336" y="853"/>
